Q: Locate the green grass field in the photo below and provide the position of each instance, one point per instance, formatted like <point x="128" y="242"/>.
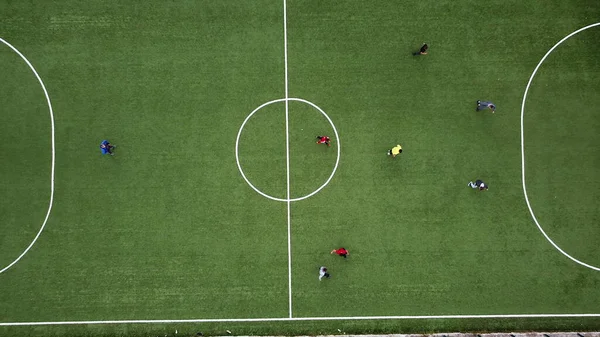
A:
<point x="168" y="229"/>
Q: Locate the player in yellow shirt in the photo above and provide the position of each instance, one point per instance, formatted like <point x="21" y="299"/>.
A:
<point x="396" y="150"/>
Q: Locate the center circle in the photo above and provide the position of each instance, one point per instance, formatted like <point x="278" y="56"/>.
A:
<point x="237" y="141"/>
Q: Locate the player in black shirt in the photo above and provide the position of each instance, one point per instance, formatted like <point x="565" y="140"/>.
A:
<point x="422" y="51"/>
<point x="478" y="184"/>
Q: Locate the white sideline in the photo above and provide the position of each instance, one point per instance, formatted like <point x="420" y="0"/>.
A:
<point x="53" y="156"/>
<point x="287" y="319"/>
<point x="523" y="148"/>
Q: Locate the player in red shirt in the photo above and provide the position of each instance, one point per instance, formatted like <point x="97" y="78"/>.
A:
<point x="323" y="140"/>
<point x="341" y="252"/>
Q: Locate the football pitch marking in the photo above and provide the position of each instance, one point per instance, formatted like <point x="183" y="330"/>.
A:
<point x="286" y="319"/>
<point x="287" y="159"/>
<point x="237" y="159"/>
<point x="523" y="148"/>
<point x="53" y="156"/>
<point x="289" y="200"/>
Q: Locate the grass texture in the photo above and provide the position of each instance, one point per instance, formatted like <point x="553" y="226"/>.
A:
<point x="168" y="228"/>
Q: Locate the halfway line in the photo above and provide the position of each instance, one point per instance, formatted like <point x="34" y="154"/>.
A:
<point x="287" y="155"/>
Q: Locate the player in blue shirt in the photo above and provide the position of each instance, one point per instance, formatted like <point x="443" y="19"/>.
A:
<point x="107" y="147"/>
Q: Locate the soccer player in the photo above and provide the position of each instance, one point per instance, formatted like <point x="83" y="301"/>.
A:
<point x="323" y="140"/>
<point x="341" y="252"/>
<point x="486" y="105"/>
<point x="478" y="184"/>
<point x="323" y="273"/>
<point x="422" y="51"/>
<point x="107" y="147"/>
<point x="396" y="150"/>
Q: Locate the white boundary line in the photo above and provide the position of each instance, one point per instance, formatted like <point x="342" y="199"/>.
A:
<point x="285" y="319"/>
<point x="287" y="159"/>
<point x="523" y="148"/>
<point x="53" y="156"/>
<point x="289" y="200"/>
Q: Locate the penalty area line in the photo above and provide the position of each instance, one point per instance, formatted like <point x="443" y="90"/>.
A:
<point x="285" y="319"/>
<point x="53" y="155"/>
<point x="523" y="176"/>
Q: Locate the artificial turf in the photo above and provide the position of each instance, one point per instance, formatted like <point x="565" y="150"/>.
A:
<point x="169" y="229"/>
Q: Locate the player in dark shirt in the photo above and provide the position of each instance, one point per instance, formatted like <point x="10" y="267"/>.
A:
<point x="323" y="140"/>
<point x="422" y="51"/>
<point x="478" y="184"/>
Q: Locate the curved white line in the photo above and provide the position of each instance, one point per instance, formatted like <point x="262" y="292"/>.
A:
<point x="523" y="148"/>
<point x="237" y="141"/>
<point x="337" y="138"/>
<point x="53" y="156"/>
